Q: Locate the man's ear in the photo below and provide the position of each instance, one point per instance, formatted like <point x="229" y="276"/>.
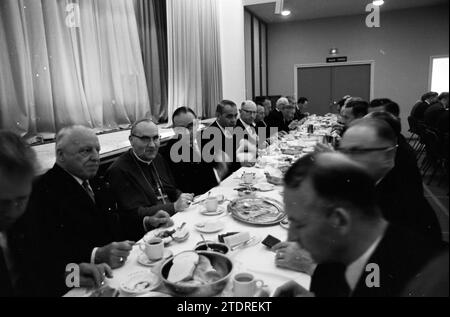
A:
<point x="340" y="219"/>
<point x="59" y="155"/>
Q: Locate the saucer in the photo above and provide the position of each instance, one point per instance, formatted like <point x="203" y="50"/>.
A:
<point x="220" y="210"/>
<point x="210" y="227"/>
<point x="140" y="282"/>
<point x="264" y="187"/>
<point x="145" y="261"/>
<point x="155" y="294"/>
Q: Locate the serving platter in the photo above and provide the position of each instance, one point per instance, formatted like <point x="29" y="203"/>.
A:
<point x="260" y="211"/>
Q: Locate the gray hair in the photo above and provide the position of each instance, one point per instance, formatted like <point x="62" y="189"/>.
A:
<point x="248" y="103"/>
<point x="283" y="101"/>
<point x="63" y="137"/>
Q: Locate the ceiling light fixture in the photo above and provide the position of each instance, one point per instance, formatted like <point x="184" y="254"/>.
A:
<point x="285" y="13"/>
<point x="378" y="2"/>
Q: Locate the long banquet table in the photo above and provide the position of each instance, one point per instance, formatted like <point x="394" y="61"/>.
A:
<point x="255" y="259"/>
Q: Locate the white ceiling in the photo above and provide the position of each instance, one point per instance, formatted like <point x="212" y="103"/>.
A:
<point x="316" y="9"/>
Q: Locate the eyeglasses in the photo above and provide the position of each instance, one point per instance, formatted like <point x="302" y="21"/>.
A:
<point x="251" y="112"/>
<point x="148" y="139"/>
<point x="356" y="151"/>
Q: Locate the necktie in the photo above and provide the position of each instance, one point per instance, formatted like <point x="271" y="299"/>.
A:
<point x="329" y="280"/>
<point x="88" y="190"/>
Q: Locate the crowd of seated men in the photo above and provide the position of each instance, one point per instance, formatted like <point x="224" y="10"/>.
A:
<point x="360" y="203"/>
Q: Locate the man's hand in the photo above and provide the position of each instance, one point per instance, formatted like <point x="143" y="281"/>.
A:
<point x="93" y="276"/>
<point x="114" y="254"/>
<point x="294" y="124"/>
<point x="159" y="220"/>
<point x="290" y="255"/>
<point x="292" y="289"/>
<point x="183" y="202"/>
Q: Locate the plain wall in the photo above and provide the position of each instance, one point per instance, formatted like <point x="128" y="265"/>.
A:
<point x="232" y="49"/>
<point x="401" y="49"/>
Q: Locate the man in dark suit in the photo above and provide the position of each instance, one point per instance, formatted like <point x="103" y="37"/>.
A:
<point x="142" y="182"/>
<point x="218" y="142"/>
<point x="19" y="270"/>
<point x="331" y="204"/>
<point x="261" y="126"/>
<point x="191" y="173"/>
<point x="301" y="105"/>
<point x="418" y="111"/>
<point x="435" y="111"/>
<point x="282" y="118"/>
<point x="75" y="218"/>
<point x="374" y="144"/>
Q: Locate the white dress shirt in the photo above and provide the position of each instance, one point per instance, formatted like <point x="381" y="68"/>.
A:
<point x="356" y="269"/>
<point x="226" y="131"/>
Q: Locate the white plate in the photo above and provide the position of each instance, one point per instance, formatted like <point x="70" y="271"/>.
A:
<point x="264" y="187"/>
<point x="140" y="282"/>
<point x="145" y="261"/>
<point x="209" y="226"/>
<point x="220" y="210"/>
<point x="154" y="294"/>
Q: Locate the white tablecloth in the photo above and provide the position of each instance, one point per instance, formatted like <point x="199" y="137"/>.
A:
<point x="257" y="259"/>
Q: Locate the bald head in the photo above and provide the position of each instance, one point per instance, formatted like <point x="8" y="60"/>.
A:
<point x="335" y="178"/>
<point x="373" y="144"/>
<point x="78" y="151"/>
<point x="145" y="140"/>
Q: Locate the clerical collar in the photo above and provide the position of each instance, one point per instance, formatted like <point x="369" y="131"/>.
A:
<point x="141" y="160"/>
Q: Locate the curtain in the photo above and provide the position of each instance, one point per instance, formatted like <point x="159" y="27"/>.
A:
<point x="152" y="25"/>
<point x="70" y="62"/>
<point x="195" y="77"/>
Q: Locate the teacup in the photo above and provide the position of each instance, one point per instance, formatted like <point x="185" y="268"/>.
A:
<point x="245" y="285"/>
<point x="153" y="249"/>
<point x="211" y="204"/>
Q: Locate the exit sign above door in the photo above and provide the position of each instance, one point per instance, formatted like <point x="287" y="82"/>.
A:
<point x="340" y="59"/>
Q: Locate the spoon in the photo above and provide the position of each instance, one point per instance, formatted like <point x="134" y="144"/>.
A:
<point x="207" y="246"/>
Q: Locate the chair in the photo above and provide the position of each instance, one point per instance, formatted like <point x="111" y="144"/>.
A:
<point x="434" y="155"/>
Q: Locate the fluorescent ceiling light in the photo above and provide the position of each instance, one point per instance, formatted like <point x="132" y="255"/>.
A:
<point x="378" y="2"/>
<point x="286" y="13"/>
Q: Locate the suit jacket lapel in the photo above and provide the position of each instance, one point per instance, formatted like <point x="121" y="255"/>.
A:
<point x="6" y="289"/>
<point x="73" y="187"/>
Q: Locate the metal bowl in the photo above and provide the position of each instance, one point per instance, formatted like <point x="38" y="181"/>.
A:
<point x="220" y="262"/>
<point x="215" y="246"/>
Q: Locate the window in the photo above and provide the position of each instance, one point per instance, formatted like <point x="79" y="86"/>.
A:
<point x="439" y="74"/>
